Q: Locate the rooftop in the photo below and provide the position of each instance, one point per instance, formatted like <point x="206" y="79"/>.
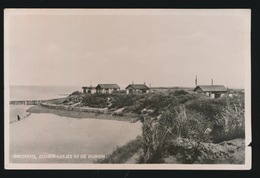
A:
<point x="138" y="86"/>
<point x="108" y="86"/>
<point x="208" y="88"/>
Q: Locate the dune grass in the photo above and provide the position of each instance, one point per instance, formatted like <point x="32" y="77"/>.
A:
<point x="122" y="154"/>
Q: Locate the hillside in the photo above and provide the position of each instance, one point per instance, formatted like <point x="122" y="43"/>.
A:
<point x="173" y="117"/>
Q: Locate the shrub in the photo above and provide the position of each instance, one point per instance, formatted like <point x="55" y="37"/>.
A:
<point x="225" y="115"/>
<point x="171" y="125"/>
<point x="230" y="123"/>
<point x="208" y="107"/>
<point x="180" y="92"/>
<point x="75" y="93"/>
<point x="220" y="120"/>
<point x="153" y="142"/>
<point x="119" y="101"/>
<point x="97" y="100"/>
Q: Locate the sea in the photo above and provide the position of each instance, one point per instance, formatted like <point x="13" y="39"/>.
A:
<point x="41" y="92"/>
<point x="18" y="93"/>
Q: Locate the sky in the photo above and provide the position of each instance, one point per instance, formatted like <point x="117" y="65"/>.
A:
<point x="161" y="47"/>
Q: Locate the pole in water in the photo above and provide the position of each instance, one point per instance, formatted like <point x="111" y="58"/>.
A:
<point x="18" y="117"/>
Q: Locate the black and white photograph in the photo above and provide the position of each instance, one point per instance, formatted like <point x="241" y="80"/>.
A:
<point x="127" y="88"/>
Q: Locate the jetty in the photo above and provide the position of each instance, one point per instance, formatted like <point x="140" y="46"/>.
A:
<point x="26" y="102"/>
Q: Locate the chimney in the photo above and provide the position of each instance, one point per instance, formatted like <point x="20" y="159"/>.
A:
<point x="150" y="85"/>
<point x="211" y="81"/>
<point x="196" y="81"/>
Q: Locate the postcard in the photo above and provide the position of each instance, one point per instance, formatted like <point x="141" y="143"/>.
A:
<point x="165" y="89"/>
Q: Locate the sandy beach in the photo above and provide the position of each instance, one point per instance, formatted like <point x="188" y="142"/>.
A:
<point x="50" y="138"/>
<point x="20" y="110"/>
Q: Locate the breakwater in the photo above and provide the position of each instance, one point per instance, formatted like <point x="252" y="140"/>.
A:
<point x="26" y="102"/>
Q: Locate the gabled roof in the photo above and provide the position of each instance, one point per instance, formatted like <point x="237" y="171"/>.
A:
<point x="211" y="88"/>
<point x="108" y="86"/>
<point x="138" y="86"/>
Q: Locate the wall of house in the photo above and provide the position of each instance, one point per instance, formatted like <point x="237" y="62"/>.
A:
<point x="136" y="91"/>
<point x="91" y="91"/>
<point x="145" y="91"/>
<point x="212" y="95"/>
<point x="198" y="90"/>
<point x="99" y="90"/>
<point x="110" y="90"/>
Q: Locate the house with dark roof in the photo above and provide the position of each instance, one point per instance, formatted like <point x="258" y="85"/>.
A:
<point x="89" y="89"/>
<point x="213" y="91"/>
<point x="137" y="88"/>
<point x="107" y="88"/>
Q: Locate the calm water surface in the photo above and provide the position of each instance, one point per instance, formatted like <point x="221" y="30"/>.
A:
<point x="43" y="134"/>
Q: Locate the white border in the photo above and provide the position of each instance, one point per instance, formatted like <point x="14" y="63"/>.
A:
<point x="244" y="12"/>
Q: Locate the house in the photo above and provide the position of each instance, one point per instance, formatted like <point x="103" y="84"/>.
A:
<point x="137" y="88"/>
<point x="213" y="91"/>
<point x="107" y="88"/>
<point x="89" y="89"/>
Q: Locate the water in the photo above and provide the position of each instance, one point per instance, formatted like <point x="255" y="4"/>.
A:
<point x="35" y="93"/>
<point x="44" y="134"/>
<point x="41" y="92"/>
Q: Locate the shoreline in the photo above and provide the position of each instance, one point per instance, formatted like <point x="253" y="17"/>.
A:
<point x="37" y="109"/>
<point x="16" y="110"/>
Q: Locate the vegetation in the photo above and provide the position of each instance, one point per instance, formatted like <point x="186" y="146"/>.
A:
<point x="122" y="154"/>
<point x="75" y="93"/>
<point x="180" y="130"/>
<point x="135" y="103"/>
<point x="174" y="122"/>
<point x="57" y="101"/>
<point x="96" y="101"/>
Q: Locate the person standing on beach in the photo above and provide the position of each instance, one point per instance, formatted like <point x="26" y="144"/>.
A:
<point x="18" y="117"/>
